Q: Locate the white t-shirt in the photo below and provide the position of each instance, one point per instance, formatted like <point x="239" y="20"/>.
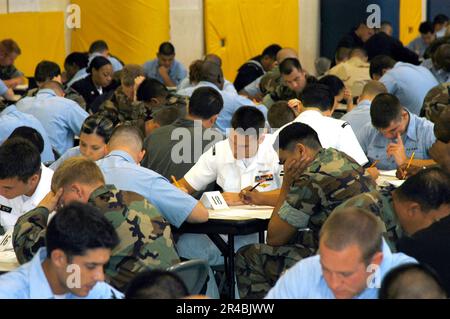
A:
<point x="218" y="164"/>
<point x="12" y="209"/>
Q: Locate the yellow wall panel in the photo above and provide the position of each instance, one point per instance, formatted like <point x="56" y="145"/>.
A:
<point x="238" y="30"/>
<point x="40" y="36"/>
<point x="133" y="29"/>
<point x="410" y="19"/>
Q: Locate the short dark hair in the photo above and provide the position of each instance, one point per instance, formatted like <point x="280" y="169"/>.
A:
<point x="412" y="281"/>
<point x="166" y="116"/>
<point x="97" y="63"/>
<point x="297" y="133"/>
<point x="280" y="114"/>
<point x="29" y="134"/>
<point x="342" y="53"/>
<point x="429" y="188"/>
<point x="77" y="58"/>
<point x="379" y="63"/>
<point x="46" y="71"/>
<point x="248" y="117"/>
<point x="151" y="88"/>
<point x="317" y="95"/>
<point x="271" y="51"/>
<point x="98" y="47"/>
<point x="288" y="65"/>
<point x="334" y="83"/>
<point x="19" y="159"/>
<point x="426" y="27"/>
<point x="440" y="19"/>
<point x="166" y="48"/>
<point x="77" y="228"/>
<point x="441" y="57"/>
<point x="442" y="126"/>
<point x="384" y="109"/>
<point x="205" y="102"/>
<point x="99" y="125"/>
<point x="156" y="284"/>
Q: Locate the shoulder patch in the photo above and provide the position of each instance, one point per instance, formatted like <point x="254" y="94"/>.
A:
<point x="345" y="124"/>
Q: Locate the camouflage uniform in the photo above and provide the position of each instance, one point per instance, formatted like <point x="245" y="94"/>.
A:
<point x="332" y="178"/>
<point x="437" y="100"/>
<point x="145" y="236"/>
<point x="70" y="94"/>
<point x="379" y="203"/>
<point x="274" y="89"/>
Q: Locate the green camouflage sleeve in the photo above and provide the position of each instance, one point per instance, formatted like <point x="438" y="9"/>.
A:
<point x="145" y="242"/>
<point x="29" y="234"/>
<point x="303" y="201"/>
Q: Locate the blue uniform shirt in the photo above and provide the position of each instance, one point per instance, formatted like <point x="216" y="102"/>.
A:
<point x="231" y="102"/>
<point x="305" y="279"/>
<point x="410" y="83"/>
<point x="11" y="118"/>
<point x="358" y="117"/>
<point x="29" y="282"/>
<point x="62" y="118"/>
<point x="120" y="169"/>
<point x="3" y="88"/>
<point x="419" y="138"/>
<point x="72" y="152"/>
<point x="177" y="71"/>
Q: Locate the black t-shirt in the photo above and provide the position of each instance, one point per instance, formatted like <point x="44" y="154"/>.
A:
<point x="350" y="40"/>
<point x="431" y="246"/>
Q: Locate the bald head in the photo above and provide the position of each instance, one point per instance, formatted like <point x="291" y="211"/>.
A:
<point x="285" y="53"/>
<point x="212" y="72"/>
<point x="127" y="138"/>
<point x="54" y="86"/>
<point x="214" y="58"/>
<point x="372" y="89"/>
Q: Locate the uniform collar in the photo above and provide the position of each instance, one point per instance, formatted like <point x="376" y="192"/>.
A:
<point x="364" y="104"/>
<point x="8" y="110"/>
<point x="42" y="188"/>
<point x="46" y="92"/>
<point x="127" y="157"/>
<point x="309" y="113"/>
<point x="39" y="286"/>
<point x="102" y="190"/>
<point x="206" y="83"/>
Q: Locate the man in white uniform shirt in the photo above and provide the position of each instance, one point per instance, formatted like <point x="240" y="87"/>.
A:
<point x="24" y="181"/>
<point x="243" y="160"/>
<point x="316" y="107"/>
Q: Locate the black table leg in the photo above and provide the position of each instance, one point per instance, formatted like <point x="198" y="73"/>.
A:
<point x="231" y="272"/>
<point x="261" y="237"/>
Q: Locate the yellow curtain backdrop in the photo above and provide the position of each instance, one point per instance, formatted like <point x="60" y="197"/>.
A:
<point x="410" y="19"/>
<point x="133" y="29"/>
<point x="238" y="30"/>
<point x="40" y="36"/>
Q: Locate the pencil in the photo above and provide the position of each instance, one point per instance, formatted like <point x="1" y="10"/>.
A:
<point x="175" y="181"/>
<point x="409" y="164"/>
<point x="374" y="164"/>
<point x="256" y="186"/>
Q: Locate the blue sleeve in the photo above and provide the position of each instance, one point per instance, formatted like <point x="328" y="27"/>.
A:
<point x="428" y="135"/>
<point x="175" y="205"/>
<point x="390" y="83"/>
<point x="292" y="284"/>
<point x="3" y="88"/>
<point x="76" y="118"/>
<point x="181" y="73"/>
<point x="148" y="69"/>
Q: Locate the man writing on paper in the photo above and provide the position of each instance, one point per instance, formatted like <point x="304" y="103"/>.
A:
<point x="243" y="160"/>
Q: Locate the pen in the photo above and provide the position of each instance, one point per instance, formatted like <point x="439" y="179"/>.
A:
<point x="256" y="186"/>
